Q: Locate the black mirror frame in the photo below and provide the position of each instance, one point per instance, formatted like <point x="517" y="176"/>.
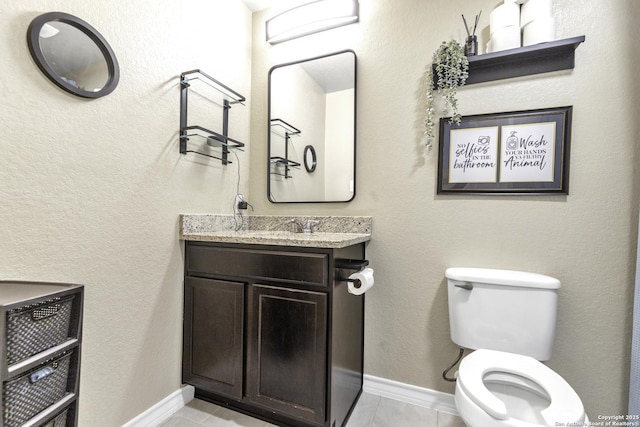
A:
<point x="33" y="41"/>
<point x="314" y="158"/>
<point x="355" y="121"/>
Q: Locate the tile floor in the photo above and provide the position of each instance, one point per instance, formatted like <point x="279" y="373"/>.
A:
<point x="371" y="411"/>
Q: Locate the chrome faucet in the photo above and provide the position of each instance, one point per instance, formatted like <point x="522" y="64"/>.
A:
<point x="306" y="228"/>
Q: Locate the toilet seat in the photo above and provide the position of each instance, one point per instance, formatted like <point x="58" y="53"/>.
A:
<point x="566" y="406"/>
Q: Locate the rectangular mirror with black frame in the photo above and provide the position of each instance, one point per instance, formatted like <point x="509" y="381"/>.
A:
<point x="312" y="130"/>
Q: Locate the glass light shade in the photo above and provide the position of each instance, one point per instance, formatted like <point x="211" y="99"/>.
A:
<point x="311" y="18"/>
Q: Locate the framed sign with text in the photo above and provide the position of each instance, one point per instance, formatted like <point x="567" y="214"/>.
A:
<point x="522" y="152"/>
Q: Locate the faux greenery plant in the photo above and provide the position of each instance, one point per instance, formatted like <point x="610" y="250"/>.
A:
<point x="451" y="72"/>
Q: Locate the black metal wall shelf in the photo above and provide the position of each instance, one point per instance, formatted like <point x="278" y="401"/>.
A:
<point x="285" y="130"/>
<point x="288" y="165"/>
<point x="523" y="61"/>
<point x="212" y="138"/>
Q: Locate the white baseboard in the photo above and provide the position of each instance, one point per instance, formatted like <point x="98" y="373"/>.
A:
<point x="164" y="409"/>
<point x="408" y="393"/>
<point x="412" y="394"/>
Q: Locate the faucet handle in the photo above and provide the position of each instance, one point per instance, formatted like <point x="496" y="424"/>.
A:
<point x="308" y="228"/>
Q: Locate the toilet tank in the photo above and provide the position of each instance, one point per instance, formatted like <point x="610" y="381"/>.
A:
<point x="504" y="310"/>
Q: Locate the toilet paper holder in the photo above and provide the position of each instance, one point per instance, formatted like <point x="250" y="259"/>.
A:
<point x="353" y="265"/>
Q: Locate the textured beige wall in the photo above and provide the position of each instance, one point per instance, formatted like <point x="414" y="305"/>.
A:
<point x="90" y="191"/>
<point x="586" y="239"/>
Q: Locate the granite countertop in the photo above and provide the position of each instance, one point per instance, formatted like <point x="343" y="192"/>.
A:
<point x="331" y="231"/>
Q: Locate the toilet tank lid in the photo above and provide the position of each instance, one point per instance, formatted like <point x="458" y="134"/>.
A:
<point x="502" y="277"/>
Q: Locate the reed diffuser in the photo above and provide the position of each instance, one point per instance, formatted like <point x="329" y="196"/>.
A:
<point x="471" y="44"/>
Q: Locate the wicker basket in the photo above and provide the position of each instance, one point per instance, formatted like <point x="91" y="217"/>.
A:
<point x="38" y="327"/>
<point x="59" y="421"/>
<point x="25" y="396"/>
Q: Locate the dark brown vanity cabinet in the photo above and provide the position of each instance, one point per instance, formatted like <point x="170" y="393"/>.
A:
<point x="272" y="331"/>
<point x="213" y="331"/>
<point x="287" y="361"/>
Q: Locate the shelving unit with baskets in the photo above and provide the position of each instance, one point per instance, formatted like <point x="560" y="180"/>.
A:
<point x="40" y="340"/>
<point x="284" y="129"/>
<point x="212" y="138"/>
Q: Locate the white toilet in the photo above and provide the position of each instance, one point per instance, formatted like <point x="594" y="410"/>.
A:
<point x="509" y="319"/>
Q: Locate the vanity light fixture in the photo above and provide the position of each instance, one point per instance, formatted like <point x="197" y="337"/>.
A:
<point x="311" y="18"/>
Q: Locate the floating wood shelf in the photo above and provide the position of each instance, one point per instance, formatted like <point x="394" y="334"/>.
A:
<point x="540" y="58"/>
<point x="523" y="61"/>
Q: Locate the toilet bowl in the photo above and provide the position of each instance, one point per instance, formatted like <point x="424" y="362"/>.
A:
<point x="500" y="389"/>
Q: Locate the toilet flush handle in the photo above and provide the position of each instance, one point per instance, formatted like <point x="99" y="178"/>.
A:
<point x="466" y="285"/>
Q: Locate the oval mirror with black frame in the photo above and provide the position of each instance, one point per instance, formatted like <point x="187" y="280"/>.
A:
<point x="73" y="55"/>
<point x="312" y="102"/>
<point x="310" y="158"/>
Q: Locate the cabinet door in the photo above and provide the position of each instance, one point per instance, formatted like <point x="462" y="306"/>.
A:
<point x="288" y="351"/>
<point x="213" y="336"/>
